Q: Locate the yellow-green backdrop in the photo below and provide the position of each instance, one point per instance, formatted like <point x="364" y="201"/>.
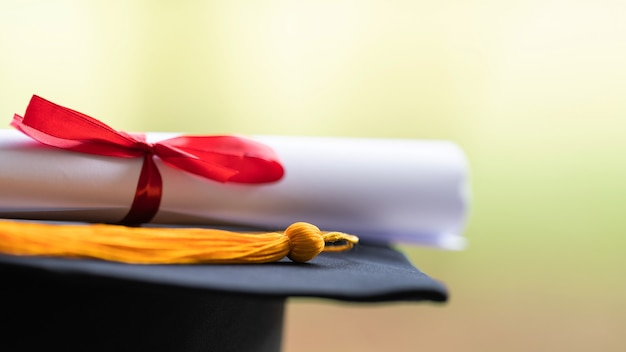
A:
<point x="533" y="91"/>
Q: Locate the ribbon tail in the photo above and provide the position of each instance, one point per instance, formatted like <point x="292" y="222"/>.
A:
<point x="147" y="196"/>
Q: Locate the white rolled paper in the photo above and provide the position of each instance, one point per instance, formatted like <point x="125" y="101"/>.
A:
<point x="383" y="190"/>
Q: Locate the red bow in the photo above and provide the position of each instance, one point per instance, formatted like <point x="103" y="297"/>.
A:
<point x="220" y="158"/>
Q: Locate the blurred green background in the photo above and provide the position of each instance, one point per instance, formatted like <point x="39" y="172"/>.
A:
<point x="533" y="91"/>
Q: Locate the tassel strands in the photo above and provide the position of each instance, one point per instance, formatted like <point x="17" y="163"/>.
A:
<point x="300" y="242"/>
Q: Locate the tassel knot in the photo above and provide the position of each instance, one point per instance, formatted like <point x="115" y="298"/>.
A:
<point x="305" y="241"/>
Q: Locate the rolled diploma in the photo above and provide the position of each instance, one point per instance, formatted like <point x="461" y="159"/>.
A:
<point x="383" y="190"/>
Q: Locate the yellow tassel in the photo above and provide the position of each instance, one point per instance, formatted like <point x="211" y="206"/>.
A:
<point x="300" y="242"/>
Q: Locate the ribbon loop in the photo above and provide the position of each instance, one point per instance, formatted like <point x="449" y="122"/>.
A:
<point x="218" y="158"/>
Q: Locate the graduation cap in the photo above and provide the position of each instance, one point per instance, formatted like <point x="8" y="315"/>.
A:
<point x="383" y="191"/>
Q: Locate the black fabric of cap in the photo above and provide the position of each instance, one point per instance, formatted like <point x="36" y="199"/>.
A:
<point x="94" y="305"/>
<point x="365" y="273"/>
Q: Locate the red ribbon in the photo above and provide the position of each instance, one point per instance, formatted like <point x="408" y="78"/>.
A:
<point x="219" y="158"/>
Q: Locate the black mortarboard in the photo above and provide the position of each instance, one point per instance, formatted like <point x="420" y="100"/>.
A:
<point x="93" y="305"/>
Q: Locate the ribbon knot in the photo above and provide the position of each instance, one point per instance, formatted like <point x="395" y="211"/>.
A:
<point x="150" y="148"/>
<point x="218" y="158"/>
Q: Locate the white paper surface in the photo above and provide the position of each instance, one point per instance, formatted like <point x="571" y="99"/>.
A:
<point x="392" y="191"/>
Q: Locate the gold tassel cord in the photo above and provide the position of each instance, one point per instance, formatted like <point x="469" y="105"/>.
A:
<point x="300" y="242"/>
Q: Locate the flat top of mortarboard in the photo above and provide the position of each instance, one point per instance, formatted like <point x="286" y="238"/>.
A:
<point x="367" y="273"/>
